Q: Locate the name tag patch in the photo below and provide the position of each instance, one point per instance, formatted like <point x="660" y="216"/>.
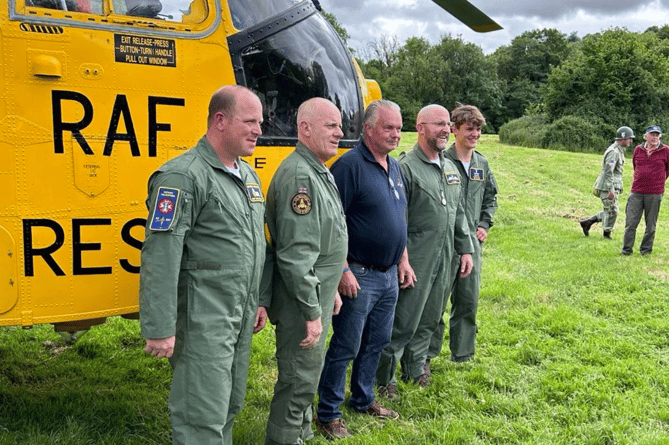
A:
<point x="452" y="177"/>
<point x="476" y="174"/>
<point x="254" y="192"/>
<point x="165" y="209"/>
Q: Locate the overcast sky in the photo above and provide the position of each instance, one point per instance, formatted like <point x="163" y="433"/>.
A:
<point x="367" y="20"/>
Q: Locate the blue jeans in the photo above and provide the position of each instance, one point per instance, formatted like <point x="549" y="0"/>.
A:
<point x="361" y="331"/>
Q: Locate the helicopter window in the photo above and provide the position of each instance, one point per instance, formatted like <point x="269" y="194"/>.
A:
<point x="87" y="6"/>
<point x="303" y="61"/>
<point x="185" y="11"/>
<point x="245" y="14"/>
<point x="143" y="8"/>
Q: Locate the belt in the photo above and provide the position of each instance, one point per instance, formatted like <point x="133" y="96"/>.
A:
<point x="369" y="266"/>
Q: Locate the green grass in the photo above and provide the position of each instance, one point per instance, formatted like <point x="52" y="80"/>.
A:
<point x="573" y="345"/>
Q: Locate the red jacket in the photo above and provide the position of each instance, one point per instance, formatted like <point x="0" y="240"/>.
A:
<point x="650" y="169"/>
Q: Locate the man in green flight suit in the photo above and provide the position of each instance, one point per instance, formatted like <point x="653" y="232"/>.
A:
<point x="436" y="227"/>
<point x="480" y="198"/>
<point x="307" y="227"/>
<point x="202" y="261"/>
<point x="609" y="184"/>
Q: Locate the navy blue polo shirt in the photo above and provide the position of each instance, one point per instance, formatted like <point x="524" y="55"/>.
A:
<point x="375" y="206"/>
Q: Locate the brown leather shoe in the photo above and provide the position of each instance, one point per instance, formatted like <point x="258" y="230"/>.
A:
<point x="332" y="430"/>
<point x="376" y="410"/>
<point x="426" y="368"/>
<point x="423" y="380"/>
<point x="389" y="392"/>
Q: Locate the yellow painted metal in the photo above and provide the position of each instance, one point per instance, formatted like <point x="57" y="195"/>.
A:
<point x="9" y="285"/>
<point x="73" y="220"/>
<point x="72" y="203"/>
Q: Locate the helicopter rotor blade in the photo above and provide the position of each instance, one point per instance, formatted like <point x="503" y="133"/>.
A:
<point x="469" y="14"/>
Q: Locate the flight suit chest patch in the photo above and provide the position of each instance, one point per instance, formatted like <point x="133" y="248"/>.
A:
<point x="165" y="209"/>
<point x="452" y="177"/>
<point x="254" y="192"/>
<point x="476" y="174"/>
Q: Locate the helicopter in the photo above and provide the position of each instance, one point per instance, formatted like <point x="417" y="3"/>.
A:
<point x="97" y="94"/>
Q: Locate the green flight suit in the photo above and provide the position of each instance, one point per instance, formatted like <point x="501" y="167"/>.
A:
<point x="199" y="281"/>
<point x="480" y="198"/>
<point x="610" y="179"/>
<point x="307" y="227"/>
<point x="436" y="227"/>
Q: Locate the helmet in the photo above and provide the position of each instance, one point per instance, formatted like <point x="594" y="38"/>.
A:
<point x="624" y="133"/>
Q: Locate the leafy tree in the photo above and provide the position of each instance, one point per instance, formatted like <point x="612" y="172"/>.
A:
<point x="451" y="71"/>
<point x="409" y="83"/>
<point x="381" y="55"/>
<point x="469" y="77"/>
<point x="662" y="32"/>
<point x="524" y="67"/>
<point x="617" y="77"/>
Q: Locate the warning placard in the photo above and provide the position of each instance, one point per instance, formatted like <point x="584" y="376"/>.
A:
<point x="145" y="50"/>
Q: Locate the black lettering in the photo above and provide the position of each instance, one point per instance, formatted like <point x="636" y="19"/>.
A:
<point x="45" y="252"/>
<point x="155" y="127"/>
<point x="78" y="247"/>
<point x="133" y="242"/>
<point x="75" y="127"/>
<point x="121" y="108"/>
<point x="260" y="162"/>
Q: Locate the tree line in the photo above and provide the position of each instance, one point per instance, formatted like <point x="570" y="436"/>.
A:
<point x="545" y="89"/>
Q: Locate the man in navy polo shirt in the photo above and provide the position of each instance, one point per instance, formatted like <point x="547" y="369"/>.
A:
<point x="372" y="193"/>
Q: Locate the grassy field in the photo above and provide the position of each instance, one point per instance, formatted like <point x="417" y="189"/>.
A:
<point x="572" y="349"/>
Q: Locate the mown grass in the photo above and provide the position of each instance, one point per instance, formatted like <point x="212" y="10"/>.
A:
<point x="573" y="345"/>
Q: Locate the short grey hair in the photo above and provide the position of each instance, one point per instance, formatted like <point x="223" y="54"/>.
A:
<point x="372" y="110"/>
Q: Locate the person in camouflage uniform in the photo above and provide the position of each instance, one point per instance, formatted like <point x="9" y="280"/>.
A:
<point x="609" y="184"/>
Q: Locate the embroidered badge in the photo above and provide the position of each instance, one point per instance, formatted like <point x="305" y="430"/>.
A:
<point x="301" y="204"/>
<point x="452" y="177"/>
<point x="254" y="192"/>
<point x="476" y="174"/>
<point x="165" y="209"/>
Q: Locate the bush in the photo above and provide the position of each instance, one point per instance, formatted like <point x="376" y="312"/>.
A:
<point x="526" y="131"/>
<point x="568" y="133"/>
<point x="576" y="133"/>
<point x="619" y="76"/>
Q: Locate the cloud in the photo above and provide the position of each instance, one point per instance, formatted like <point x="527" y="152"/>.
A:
<point x="555" y="10"/>
<point x="367" y="20"/>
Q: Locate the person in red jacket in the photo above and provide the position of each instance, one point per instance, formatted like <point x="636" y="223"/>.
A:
<point x="651" y="169"/>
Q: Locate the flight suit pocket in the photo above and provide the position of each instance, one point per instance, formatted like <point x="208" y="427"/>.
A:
<point x="214" y="301"/>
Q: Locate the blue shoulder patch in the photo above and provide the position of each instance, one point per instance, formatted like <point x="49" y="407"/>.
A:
<point x="476" y="174"/>
<point x="165" y="209"/>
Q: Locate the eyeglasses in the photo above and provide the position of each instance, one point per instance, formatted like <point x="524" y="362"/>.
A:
<point x="440" y="124"/>
<point x="392" y="186"/>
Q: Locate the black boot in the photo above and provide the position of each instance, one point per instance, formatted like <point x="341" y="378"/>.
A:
<point x="586" y="224"/>
<point x="607" y="234"/>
